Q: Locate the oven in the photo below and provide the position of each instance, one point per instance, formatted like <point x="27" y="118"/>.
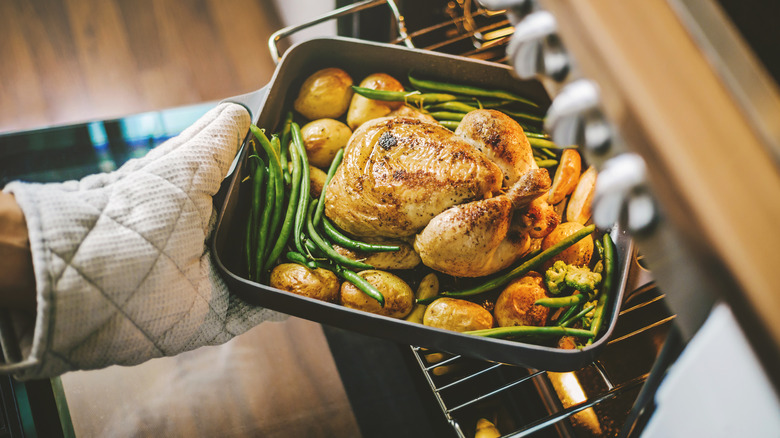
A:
<point x="666" y="98"/>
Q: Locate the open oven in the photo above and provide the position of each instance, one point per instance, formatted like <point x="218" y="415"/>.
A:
<point x="686" y="288"/>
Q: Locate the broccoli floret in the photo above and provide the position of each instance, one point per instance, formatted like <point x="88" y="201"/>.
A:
<point x="562" y="276"/>
<point x="555" y="277"/>
<point x="582" y="279"/>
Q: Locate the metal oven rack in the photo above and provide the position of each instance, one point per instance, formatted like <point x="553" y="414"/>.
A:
<point x="591" y="402"/>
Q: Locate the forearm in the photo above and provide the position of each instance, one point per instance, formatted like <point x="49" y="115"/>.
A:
<point x="17" y="281"/>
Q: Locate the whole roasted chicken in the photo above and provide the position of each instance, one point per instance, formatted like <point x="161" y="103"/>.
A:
<point x="468" y="198"/>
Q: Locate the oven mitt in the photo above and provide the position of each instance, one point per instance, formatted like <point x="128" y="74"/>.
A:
<point x="122" y="262"/>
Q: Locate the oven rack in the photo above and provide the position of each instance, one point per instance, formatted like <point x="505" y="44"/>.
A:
<point x="466" y="30"/>
<point x="525" y="402"/>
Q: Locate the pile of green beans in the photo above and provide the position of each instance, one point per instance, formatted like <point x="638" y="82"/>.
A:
<point x="282" y="207"/>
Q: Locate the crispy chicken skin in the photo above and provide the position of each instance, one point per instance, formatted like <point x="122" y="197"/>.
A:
<point x="403" y="176"/>
<point x="501" y="139"/>
<point x="399" y="173"/>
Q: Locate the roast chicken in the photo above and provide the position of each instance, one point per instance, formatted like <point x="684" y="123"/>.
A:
<point x="471" y="199"/>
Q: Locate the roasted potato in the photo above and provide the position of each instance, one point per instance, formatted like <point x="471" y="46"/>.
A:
<point x="457" y="315"/>
<point x="578" y="254"/>
<point x="581" y="199"/>
<point x="363" y="109"/>
<point x="325" y="94"/>
<point x="405" y="258"/>
<point x="323" y="138"/>
<point x="320" y="284"/>
<point x="399" y="297"/>
<point x="566" y="176"/>
<point x="317" y="177"/>
<point x="515" y="305"/>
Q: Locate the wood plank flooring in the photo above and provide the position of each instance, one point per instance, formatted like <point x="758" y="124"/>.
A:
<point x="66" y="61"/>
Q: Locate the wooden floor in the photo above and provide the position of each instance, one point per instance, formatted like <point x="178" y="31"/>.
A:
<point x="67" y="61"/>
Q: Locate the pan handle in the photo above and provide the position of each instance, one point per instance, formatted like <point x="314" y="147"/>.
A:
<point x="251" y="101"/>
<point x="273" y="41"/>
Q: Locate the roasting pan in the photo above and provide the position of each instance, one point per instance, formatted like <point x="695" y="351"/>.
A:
<point x="360" y="58"/>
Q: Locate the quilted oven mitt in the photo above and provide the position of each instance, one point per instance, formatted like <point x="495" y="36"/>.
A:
<point x="122" y="266"/>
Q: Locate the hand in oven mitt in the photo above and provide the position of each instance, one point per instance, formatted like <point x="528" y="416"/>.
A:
<point x="121" y="260"/>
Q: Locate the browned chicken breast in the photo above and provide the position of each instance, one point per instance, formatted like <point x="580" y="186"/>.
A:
<point x="399" y="173"/>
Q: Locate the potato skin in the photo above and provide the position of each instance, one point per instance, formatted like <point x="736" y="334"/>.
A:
<point x="399" y="297"/>
<point x="363" y="109"/>
<point x="319" y="284"/>
<point x="515" y="306"/>
<point x="457" y="315"/>
<point x="325" y="94"/>
<point x="578" y="254"/>
<point x="323" y="138"/>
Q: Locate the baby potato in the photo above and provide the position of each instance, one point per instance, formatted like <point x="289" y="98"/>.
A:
<point x="515" y="305"/>
<point x="457" y="315"/>
<point x="363" y="109"/>
<point x="399" y="297"/>
<point x="323" y="138"/>
<point x="325" y="94"/>
<point x="320" y="284"/>
<point x="578" y="254"/>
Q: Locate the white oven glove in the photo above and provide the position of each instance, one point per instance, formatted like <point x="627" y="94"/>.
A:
<point x="121" y="259"/>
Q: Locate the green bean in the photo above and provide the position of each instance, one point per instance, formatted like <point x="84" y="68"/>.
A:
<point x="337" y="237"/>
<point x="487" y="103"/>
<point x="537" y="135"/>
<point x="526" y="266"/>
<point x="454" y="106"/>
<point x="447" y="115"/>
<point x="583" y="312"/>
<point x="265" y="222"/>
<point x="279" y="199"/>
<point x="361" y="283"/>
<point x="414" y="97"/>
<point x="610" y="271"/>
<point x="292" y="203"/>
<point x="467" y="90"/>
<point x="254" y="210"/>
<point x="560" y="301"/>
<point x="331" y="171"/>
<point x="323" y="246"/>
<point x="303" y="199"/>
<point x="301" y="259"/>
<point x="545" y="143"/>
<point x="566" y="315"/>
<point x="449" y="124"/>
<point x="546" y="163"/>
<point x="523" y="116"/>
<point x="529" y="330"/>
<point x="546" y="152"/>
<point x="272" y="213"/>
<point x="285" y="141"/>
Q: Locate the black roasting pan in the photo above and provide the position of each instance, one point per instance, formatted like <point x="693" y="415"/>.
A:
<point x="361" y="58"/>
